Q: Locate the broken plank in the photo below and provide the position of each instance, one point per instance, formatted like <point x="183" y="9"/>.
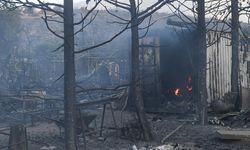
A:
<point x="97" y="102"/>
<point x="171" y="133"/>
<point x="233" y="134"/>
<point x="4" y="129"/>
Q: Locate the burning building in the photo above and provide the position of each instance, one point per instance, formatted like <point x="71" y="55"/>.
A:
<point x="166" y="59"/>
<point x="167" y="80"/>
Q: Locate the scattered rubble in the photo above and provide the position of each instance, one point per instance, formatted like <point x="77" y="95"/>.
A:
<point x="48" y="148"/>
<point x="170" y="146"/>
<point x="232" y="120"/>
<point x="189" y="136"/>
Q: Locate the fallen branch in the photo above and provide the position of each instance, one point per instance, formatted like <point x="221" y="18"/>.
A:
<point x="171" y="133"/>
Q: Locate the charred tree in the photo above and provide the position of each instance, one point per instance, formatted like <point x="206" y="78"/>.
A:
<point x="136" y="18"/>
<point x="69" y="52"/>
<point x="69" y="77"/>
<point x="18" y="138"/>
<point x="201" y="57"/>
<point x="136" y="92"/>
<point x="235" y="48"/>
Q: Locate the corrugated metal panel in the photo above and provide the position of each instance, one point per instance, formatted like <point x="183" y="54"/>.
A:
<point x="218" y="65"/>
<point x="245" y="67"/>
<point x="244" y="57"/>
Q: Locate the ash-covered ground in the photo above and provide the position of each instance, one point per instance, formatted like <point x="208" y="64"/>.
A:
<point x="127" y="135"/>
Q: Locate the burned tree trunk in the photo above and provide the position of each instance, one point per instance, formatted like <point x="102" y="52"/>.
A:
<point x="235" y="48"/>
<point x="69" y="77"/>
<point x="136" y="92"/>
<point x="200" y="84"/>
<point x="18" y="138"/>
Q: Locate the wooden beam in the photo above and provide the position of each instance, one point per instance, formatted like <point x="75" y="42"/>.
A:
<point x="233" y="134"/>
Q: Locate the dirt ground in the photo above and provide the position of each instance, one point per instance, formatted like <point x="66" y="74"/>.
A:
<point x="127" y="136"/>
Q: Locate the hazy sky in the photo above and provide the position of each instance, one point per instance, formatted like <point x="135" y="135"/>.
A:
<point x="61" y="1"/>
<point x="146" y="3"/>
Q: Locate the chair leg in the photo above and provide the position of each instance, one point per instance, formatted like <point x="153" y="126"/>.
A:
<point x="113" y="115"/>
<point x="83" y="130"/>
<point x="102" y="121"/>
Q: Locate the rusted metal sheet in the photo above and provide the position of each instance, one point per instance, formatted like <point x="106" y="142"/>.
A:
<point x="219" y="55"/>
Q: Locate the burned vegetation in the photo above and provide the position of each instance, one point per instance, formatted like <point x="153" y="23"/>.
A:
<point x="124" y="75"/>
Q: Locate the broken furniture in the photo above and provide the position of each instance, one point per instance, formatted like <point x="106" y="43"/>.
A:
<point x="103" y="101"/>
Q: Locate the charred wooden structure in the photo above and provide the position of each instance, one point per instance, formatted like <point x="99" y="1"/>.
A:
<point x="166" y="56"/>
<point x="167" y="70"/>
<point x="172" y="66"/>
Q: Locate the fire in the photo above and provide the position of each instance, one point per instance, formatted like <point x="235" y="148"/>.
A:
<point x="189" y="88"/>
<point x="189" y="79"/>
<point x="177" y="92"/>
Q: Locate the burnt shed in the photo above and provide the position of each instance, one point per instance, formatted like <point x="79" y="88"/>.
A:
<point x="166" y="62"/>
<point x="169" y="87"/>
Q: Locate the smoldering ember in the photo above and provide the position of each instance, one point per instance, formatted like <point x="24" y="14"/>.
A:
<point x="125" y="75"/>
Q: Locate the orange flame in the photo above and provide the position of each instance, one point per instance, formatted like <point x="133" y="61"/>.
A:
<point x="189" y="88"/>
<point x="177" y="91"/>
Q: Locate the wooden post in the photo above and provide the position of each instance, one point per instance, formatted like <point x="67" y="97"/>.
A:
<point x="18" y="138"/>
<point x="69" y="77"/>
<point x="201" y="57"/>
<point x="235" y="50"/>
